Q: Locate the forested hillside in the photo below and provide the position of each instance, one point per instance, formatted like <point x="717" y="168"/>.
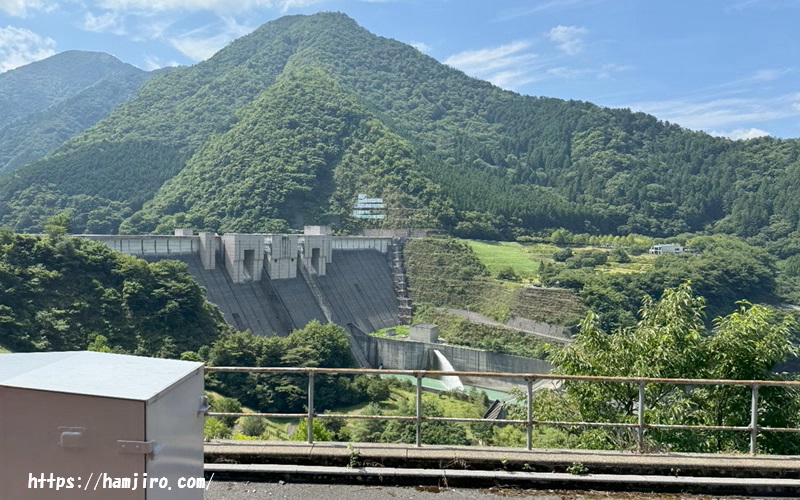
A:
<point x="286" y="124"/>
<point x="66" y="293"/>
<point x="47" y="102"/>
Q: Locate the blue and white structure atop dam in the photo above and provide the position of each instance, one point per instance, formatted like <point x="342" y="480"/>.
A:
<point x="275" y="283"/>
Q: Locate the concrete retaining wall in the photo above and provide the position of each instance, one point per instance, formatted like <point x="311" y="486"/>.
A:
<point x="409" y="355"/>
<point x="530" y="325"/>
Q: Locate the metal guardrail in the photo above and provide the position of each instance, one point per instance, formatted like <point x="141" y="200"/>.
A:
<point x="753" y="428"/>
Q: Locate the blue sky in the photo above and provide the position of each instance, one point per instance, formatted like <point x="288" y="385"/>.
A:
<point x="727" y="67"/>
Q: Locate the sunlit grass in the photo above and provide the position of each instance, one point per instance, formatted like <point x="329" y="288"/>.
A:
<point x="501" y="255"/>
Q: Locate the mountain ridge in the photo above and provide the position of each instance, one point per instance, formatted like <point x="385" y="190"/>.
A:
<point x="502" y="163"/>
<point x="49" y="101"/>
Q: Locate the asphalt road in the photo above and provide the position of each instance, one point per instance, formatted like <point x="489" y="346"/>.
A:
<point x="221" y="490"/>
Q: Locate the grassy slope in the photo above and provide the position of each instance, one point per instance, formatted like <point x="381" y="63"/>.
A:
<point x="524" y="258"/>
<point x="500" y="255"/>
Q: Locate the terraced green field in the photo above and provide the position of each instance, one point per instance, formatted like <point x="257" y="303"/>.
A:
<point x="522" y="258"/>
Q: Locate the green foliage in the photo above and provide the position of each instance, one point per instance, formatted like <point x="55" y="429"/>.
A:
<point x="214" y="429"/>
<point x="368" y="430"/>
<point x="586" y="258"/>
<point x="620" y="256"/>
<point x="225" y="405"/>
<point x="578" y="469"/>
<point x="48" y="102"/>
<point x="433" y="432"/>
<point x="99" y="344"/>
<point x="252" y="426"/>
<point x="65" y="293"/>
<point x="318" y="430"/>
<point x="58" y="225"/>
<point x="508" y="274"/>
<point x="355" y="456"/>
<point x="457" y="330"/>
<point x="289" y="122"/>
<point x="724" y="270"/>
<point x="315" y="345"/>
<point x="791" y="266"/>
<point x="671" y="340"/>
<point x="562" y="254"/>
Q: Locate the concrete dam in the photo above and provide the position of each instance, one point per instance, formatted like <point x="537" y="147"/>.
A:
<point x="273" y="284"/>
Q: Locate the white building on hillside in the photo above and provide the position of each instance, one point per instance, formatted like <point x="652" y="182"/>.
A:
<point x="666" y="248"/>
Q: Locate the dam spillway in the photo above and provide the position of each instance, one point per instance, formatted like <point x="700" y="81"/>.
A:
<point x="273" y="284"/>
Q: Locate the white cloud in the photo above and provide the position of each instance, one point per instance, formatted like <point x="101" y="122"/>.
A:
<point x="152" y="29"/>
<point x="609" y="69"/>
<point x="712" y="114"/>
<point x="20" y="8"/>
<point x="218" y="6"/>
<point x="421" y="46"/>
<point x="569" y="39"/>
<point x="204" y="42"/>
<point x="199" y="48"/>
<point x="551" y="5"/>
<point x="108" y="22"/>
<point x="20" y="46"/>
<point x="569" y="73"/>
<point x="152" y="63"/>
<point x="741" y="133"/>
<point x="506" y="66"/>
<point x="768" y="75"/>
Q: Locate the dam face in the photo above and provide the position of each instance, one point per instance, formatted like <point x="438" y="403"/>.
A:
<point x="275" y="283"/>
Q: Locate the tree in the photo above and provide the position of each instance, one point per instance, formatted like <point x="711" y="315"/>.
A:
<point x="319" y="431"/>
<point x="368" y="430"/>
<point x="58" y="225"/>
<point x="562" y="254"/>
<point x="252" y="426"/>
<point x="226" y="405"/>
<point x="213" y="428"/>
<point x="671" y="340"/>
<point x="433" y="432"/>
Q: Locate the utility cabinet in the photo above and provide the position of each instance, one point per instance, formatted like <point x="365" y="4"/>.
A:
<point x="101" y="426"/>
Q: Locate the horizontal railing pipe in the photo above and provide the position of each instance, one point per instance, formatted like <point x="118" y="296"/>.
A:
<point x="418" y="418"/>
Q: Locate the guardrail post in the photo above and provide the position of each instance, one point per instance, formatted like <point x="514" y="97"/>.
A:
<point x="529" y="423"/>
<point x="419" y="410"/>
<point x="310" y="421"/>
<point x="640" y="411"/>
<point x="754" y="419"/>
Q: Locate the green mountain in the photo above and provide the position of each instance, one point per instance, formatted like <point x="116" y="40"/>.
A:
<point x="47" y="102"/>
<point x="285" y="125"/>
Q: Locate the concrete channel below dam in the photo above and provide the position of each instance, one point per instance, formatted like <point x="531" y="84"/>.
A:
<point x="272" y="284"/>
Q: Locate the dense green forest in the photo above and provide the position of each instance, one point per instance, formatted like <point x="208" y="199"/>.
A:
<point x="66" y="293"/>
<point x="47" y="102"/>
<point x="444" y="149"/>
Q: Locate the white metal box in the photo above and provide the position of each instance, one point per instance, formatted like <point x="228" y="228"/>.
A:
<point x="101" y="426"/>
